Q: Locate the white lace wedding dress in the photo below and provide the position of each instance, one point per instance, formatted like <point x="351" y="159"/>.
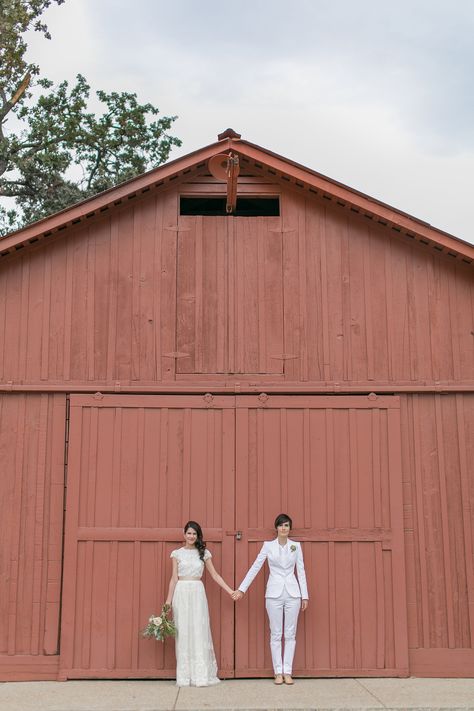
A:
<point x="195" y="659"/>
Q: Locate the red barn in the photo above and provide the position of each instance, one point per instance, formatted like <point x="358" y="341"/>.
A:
<point x="230" y="336"/>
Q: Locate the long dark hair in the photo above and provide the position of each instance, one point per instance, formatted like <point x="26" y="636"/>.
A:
<point x="200" y="544"/>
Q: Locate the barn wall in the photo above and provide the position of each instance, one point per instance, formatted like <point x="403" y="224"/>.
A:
<point x="32" y="437"/>
<point x="343" y="300"/>
<point x="437" y="456"/>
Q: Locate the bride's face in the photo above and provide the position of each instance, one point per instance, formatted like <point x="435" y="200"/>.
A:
<point x="190" y="537"/>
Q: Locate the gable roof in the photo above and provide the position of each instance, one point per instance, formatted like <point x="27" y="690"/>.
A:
<point x="260" y="161"/>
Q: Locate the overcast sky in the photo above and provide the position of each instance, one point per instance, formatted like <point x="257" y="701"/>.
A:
<point x="376" y="94"/>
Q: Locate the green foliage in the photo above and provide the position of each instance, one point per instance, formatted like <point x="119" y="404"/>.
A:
<point x="56" y="136"/>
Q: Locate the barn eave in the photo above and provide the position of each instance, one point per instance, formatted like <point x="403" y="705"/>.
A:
<point x="259" y="161"/>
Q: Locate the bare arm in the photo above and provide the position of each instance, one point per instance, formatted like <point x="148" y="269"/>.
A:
<point x="215" y="576"/>
<point x="173" y="581"/>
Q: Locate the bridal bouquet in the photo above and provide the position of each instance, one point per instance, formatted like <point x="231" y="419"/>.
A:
<point x="159" y="626"/>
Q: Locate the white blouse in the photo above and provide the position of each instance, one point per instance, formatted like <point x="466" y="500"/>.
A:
<point x="189" y="563"/>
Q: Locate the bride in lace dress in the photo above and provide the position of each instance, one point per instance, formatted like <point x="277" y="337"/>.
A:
<point x="195" y="659"/>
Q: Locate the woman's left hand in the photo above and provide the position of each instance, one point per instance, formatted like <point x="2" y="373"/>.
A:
<point x="304" y="604"/>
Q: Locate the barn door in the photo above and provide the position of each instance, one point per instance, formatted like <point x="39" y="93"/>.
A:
<point x="333" y="464"/>
<point x="230" y="281"/>
<point x="139" y="468"/>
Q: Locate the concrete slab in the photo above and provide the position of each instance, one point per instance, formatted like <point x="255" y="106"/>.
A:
<point x="428" y="693"/>
<point x="88" y="696"/>
<point x="264" y="694"/>
<point x="242" y="695"/>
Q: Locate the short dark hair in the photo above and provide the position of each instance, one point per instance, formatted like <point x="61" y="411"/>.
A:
<point x="283" y="518"/>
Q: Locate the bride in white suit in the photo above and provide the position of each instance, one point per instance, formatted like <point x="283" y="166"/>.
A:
<point x="284" y="595"/>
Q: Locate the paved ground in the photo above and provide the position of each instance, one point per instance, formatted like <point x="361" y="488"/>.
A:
<point x="240" y="695"/>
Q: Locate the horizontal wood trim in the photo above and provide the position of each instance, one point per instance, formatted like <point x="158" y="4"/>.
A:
<point x="28" y="667"/>
<point x="334" y="673"/>
<point x="442" y="662"/>
<point x="162" y="401"/>
<point x="223" y="377"/>
<point x="109" y="533"/>
<point x="316" y="535"/>
<point x="117" y="674"/>
<point x="318" y="402"/>
<point x="245" y="401"/>
<point x="203" y="188"/>
<point x="99" y="533"/>
<point x="240" y="385"/>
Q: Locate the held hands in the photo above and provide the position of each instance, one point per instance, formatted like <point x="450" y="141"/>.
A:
<point x="237" y="595"/>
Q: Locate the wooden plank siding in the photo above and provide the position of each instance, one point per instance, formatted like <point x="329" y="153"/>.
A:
<point x="437" y="455"/>
<point x="316" y="296"/>
<point x="32" y="440"/>
<point x="139" y="468"/>
<point x="334" y="464"/>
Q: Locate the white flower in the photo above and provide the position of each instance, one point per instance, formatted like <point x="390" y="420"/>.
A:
<point x="157" y="621"/>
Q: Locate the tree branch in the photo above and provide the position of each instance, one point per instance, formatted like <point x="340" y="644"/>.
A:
<point x="8" y="106"/>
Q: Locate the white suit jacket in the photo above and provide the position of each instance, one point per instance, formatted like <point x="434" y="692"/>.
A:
<point x="282" y="570"/>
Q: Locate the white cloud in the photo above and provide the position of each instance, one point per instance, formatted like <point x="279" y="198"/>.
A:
<point x="376" y="95"/>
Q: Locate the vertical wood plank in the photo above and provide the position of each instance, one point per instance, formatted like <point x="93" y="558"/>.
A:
<point x="113" y="305"/>
<point x="369" y="297"/>
<point x="234" y="285"/>
<point x="467" y="510"/>
<point x="199" y="297"/>
<point x="398" y="563"/>
<point x="303" y="297"/>
<point x="421" y="522"/>
<point x="445" y="522"/>
<point x="136" y="331"/>
<point x="68" y="310"/>
<point x="45" y="321"/>
<point x="40" y="553"/>
<point x="16" y="531"/>
<point x="381" y="615"/>
<point x="90" y="310"/>
<point x="324" y="301"/>
<point x="357" y="611"/>
<point x="156" y="235"/>
<point x="168" y="285"/>
<point x="332" y="606"/>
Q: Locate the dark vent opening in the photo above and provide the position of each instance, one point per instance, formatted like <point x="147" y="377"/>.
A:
<point x="246" y="206"/>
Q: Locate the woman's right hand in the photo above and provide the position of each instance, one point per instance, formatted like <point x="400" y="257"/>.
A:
<point x="237" y="595"/>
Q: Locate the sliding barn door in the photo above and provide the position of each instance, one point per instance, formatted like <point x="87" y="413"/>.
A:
<point x="333" y="464"/>
<point x="139" y="468"/>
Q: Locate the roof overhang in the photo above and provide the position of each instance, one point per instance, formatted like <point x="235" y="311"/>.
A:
<point x="262" y="162"/>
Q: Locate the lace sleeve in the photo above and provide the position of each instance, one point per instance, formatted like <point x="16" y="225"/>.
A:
<point x="207" y="554"/>
<point x="174" y="554"/>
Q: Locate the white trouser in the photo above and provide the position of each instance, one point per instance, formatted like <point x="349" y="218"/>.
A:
<point x="276" y="608"/>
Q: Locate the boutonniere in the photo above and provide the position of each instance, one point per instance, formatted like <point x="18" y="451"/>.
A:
<point x="292" y="548"/>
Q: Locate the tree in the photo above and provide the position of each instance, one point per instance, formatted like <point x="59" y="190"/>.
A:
<point x="55" y="132"/>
